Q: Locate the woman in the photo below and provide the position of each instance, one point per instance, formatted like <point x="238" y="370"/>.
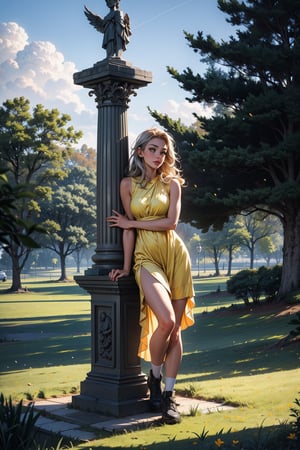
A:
<point x="151" y="197"/>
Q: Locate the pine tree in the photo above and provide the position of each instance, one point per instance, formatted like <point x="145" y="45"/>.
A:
<point x="249" y="156"/>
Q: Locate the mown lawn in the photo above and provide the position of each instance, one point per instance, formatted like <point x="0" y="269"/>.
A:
<point x="232" y="354"/>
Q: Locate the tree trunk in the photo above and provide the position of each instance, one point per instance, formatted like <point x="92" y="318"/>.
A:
<point x="63" y="270"/>
<point x="251" y="256"/>
<point x="290" y="279"/>
<point x="16" y="274"/>
<point x="19" y="256"/>
<point x="216" y="262"/>
<point x="229" y="261"/>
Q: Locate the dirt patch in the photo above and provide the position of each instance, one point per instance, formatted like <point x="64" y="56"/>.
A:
<point x="278" y="308"/>
<point x="293" y="309"/>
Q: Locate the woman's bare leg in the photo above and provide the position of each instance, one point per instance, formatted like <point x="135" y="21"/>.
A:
<point x="165" y="344"/>
<point x="159" y="301"/>
<point x="174" y="350"/>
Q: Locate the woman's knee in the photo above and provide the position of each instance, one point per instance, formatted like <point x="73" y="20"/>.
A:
<point x="167" y="323"/>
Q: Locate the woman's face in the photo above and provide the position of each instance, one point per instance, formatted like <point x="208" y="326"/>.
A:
<point x="154" y="153"/>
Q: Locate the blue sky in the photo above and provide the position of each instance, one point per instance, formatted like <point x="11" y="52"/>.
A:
<point x="42" y="43"/>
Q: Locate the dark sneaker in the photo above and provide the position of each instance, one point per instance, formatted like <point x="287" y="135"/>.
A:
<point x="154" y="385"/>
<point x="170" y="414"/>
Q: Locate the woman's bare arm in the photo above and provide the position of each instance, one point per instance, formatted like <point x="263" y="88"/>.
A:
<point x="128" y="234"/>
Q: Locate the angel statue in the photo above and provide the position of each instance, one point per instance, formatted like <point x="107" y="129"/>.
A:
<point x="115" y="28"/>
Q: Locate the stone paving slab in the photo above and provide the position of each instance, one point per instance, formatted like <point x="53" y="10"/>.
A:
<point x="78" y="417"/>
<point x="58" y="417"/>
<point x="52" y="404"/>
<point x="64" y="429"/>
<point x="51" y="424"/>
<point x="55" y="426"/>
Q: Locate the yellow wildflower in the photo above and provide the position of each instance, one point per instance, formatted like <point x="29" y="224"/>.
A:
<point x="292" y="436"/>
<point x="219" y="442"/>
<point x="235" y="442"/>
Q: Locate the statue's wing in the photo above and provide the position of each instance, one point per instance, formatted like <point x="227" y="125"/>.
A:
<point x="94" y="20"/>
<point x="127" y="24"/>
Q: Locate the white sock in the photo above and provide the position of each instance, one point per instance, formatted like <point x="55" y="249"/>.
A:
<point x="169" y="383"/>
<point x="156" y="370"/>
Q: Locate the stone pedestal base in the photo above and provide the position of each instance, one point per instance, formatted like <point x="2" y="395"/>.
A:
<point x="115" y="384"/>
<point x="111" y="399"/>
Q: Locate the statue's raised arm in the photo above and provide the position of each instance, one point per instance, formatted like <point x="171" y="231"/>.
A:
<point x="115" y="28"/>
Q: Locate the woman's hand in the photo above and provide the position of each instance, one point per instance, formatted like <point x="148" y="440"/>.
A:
<point x="118" y="220"/>
<point x="115" y="274"/>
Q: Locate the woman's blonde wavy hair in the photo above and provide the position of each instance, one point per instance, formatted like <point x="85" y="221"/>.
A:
<point x="169" y="169"/>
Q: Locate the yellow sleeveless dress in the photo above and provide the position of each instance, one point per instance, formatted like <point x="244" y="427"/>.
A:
<point x="163" y="254"/>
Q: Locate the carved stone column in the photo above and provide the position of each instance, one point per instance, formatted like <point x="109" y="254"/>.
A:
<point x="115" y="384"/>
<point x="112" y="82"/>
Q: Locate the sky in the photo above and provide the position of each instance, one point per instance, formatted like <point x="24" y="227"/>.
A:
<point x="43" y="43"/>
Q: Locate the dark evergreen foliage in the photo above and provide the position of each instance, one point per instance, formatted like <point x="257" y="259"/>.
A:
<point x="247" y="157"/>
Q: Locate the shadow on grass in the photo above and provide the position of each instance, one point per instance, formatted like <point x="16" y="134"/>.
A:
<point x="57" y="288"/>
<point x="237" y="343"/>
<point x="221" y="344"/>
<point x="271" y="438"/>
<point x="60" y="325"/>
<point x="241" y="360"/>
<point x="49" y="287"/>
<point x="45" y="352"/>
<point x="44" y="300"/>
<point x="215" y="300"/>
<point x="43" y="341"/>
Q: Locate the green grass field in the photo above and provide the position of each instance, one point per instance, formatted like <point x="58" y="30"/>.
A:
<point x="231" y="354"/>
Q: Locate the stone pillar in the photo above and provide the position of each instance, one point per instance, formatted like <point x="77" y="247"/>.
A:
<point x="115" y="384"/>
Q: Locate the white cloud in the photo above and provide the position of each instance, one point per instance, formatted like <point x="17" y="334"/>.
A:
<point x="13" y="38"/>
<point x="38" y="71"/>
<point x="184" y="111"/>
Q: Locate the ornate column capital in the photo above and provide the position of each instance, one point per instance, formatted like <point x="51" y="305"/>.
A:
<point x="113" y="70"/>
<point x="113" y="93"/>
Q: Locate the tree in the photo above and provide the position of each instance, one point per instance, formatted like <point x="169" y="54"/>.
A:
<point x="84" y="157"/>
<point x="271" y="247"/>
<point x="248" y="159"/>
<point x="33" y="148"/>
<point x="233" y="233"/>
<point x="70" y="215"/>
<point x="195" y="249"/>
<point x="214" y="244"/>
<point x="13" y="228"/>
<point x="258" y="226"/>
